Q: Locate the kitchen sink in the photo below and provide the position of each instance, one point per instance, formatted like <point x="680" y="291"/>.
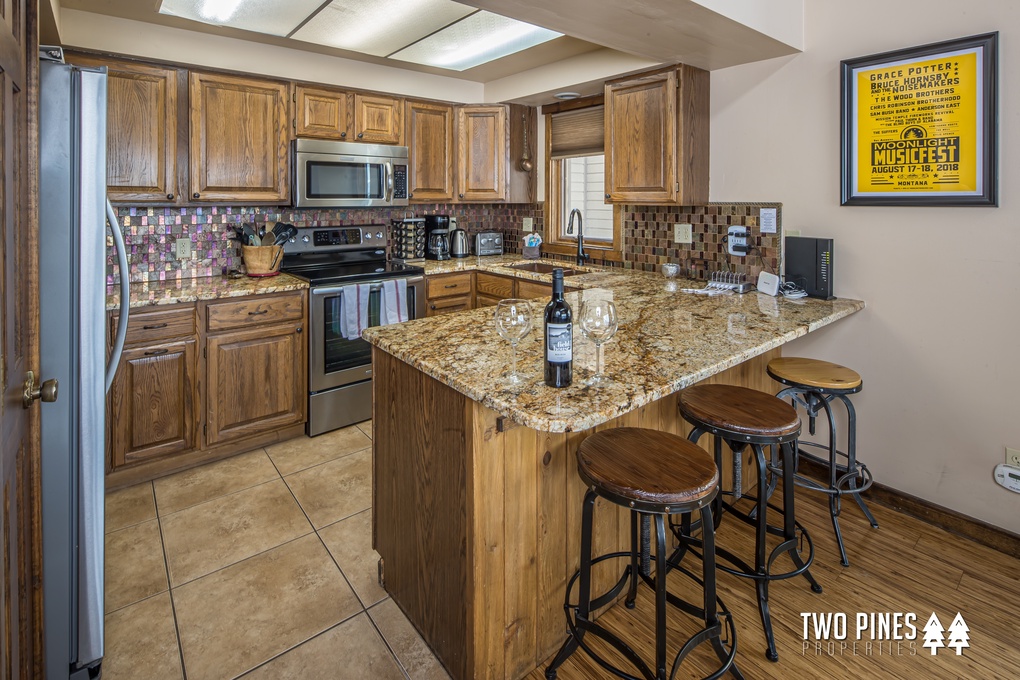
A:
<point x="544" y="268"/>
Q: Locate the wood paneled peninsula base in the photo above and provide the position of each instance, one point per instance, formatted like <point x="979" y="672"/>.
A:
<point x="476" y="497"/>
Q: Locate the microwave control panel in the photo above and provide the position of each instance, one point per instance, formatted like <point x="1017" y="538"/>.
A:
<point x="399" y="181"/>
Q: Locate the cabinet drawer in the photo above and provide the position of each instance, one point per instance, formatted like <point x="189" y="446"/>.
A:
<point x="146" y="327"/>
<point x="501" y="287"/>
<point x="448" y="286"/>
<point x="448" y="305"/>
<point x="487" y="300"/>
<point x="254" y="310"/>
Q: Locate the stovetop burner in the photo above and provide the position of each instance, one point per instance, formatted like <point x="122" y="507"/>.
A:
<point x="321" y="274"/>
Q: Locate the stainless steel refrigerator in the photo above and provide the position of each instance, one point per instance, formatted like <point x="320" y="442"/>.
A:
<point x="72" y="284"/>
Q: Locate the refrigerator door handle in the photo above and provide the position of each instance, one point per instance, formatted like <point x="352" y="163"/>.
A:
<point x="125" y="296"/>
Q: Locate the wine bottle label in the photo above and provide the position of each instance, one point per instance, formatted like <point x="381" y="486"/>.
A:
<point x="559" y="342"/>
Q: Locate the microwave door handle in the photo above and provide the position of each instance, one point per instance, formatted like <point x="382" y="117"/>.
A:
<point x="389" y="181"/>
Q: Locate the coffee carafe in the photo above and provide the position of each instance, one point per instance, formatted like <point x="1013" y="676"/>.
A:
<point x="438" y="244"/>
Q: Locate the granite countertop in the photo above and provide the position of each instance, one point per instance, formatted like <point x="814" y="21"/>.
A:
<point x="205" y="288"/>
<point x="667" y="340"/>
<point x="502" y="264"/>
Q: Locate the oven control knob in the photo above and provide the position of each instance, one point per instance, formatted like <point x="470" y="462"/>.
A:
<point x="378" y="234"/>
<point x="293" y="240"/>
<point x="368" y="236"/>
<point x="305" y="239"/>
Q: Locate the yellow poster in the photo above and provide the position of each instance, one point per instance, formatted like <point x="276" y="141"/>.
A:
<point x="918" y="127"/>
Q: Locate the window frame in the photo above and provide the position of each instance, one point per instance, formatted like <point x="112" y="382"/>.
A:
<point x="553" y="243"/>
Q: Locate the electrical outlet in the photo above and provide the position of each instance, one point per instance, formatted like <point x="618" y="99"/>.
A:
<point x="183" y="246"/>
<point x="683" y="233"/>
<point x="1013" y="457"/>
<point x="528" y="224"/>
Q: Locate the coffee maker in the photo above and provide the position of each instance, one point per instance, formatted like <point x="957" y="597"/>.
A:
<point x="438" y="244"/>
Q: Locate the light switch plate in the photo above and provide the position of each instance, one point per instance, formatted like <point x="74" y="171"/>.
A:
<point x="183" y="246"/>
<point x="683" y="233"/>
<point x="528" y="224"/>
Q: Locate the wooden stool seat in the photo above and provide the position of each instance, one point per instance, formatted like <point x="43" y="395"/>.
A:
<point x="646" y="467"/>
<point x="739" y="410"/>
<point x="823" y="375"/>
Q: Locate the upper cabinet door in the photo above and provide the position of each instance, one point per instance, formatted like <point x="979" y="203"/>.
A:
<point x="238" y="140"/>
<point x="482" y="153"/>
<point x="657" y="137"/>
<point x="378" y="119"/>
<point x="429" y="137"/>
<point x="322" y="113"/>
<point x="641" y="138"/>
<point x="141" y="137"/>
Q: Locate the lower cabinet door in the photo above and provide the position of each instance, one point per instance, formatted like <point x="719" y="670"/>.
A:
<point x="153" y="403"/>
<point x="256" y="381"/>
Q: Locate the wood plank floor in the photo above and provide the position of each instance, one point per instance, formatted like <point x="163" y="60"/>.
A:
<point x="904" y="566"/>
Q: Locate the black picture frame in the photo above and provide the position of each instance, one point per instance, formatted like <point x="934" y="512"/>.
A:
<point x="910" y="94"/>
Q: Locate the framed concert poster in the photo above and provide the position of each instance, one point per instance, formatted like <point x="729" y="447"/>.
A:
<point x="919" y="126"/>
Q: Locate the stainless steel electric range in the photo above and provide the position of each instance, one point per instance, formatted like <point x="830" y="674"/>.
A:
<point x="339" y="367"/>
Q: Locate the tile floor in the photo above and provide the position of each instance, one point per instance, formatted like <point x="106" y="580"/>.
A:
<point x="258" y="566"/>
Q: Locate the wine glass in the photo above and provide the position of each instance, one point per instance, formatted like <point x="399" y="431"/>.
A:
<point x="513" y="321"/>
<point x="599" y="324"/>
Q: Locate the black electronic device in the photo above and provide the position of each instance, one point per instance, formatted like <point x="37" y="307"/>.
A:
<point x="809" y="265"/>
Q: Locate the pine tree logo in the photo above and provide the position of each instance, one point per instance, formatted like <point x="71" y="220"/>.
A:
<point x="958" y="634"/>
<point x="933" y="634"/>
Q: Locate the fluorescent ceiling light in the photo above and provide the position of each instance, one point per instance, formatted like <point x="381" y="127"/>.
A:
<point x="262" y="16"/>
<point x="477" y="39"/>
<point x="379" y="27"/>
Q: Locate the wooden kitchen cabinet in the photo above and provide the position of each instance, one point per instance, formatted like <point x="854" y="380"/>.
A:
<point x="446" y="293"/>
<point x="153" y="403"/>
<point x="657" y="137"/>
<point x="326" y="113"/>
<point x="238" y="139"/>
<point x="491" y="288"/>
<point x="141" y="130"/>
<point x="428" y="132"/>
<point x="482" y="153"/>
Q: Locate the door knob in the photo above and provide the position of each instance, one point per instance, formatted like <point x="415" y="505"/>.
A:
<point x="46" y="392"/>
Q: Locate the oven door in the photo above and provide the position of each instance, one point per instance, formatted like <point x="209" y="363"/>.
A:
<point x="331" y="180"/>
<point x="335" y="361"/>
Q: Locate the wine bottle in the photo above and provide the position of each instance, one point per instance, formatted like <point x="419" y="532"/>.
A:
<point x="559" y="345"/>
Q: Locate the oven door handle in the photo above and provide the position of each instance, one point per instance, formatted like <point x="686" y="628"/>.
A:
<point x="376" y="285"/>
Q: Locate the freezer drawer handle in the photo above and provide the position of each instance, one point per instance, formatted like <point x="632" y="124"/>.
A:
<point x="46" y="392"/>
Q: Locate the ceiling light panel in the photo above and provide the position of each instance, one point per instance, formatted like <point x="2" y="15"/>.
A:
<point x="379" y="27"/>
<point x="262" y="16"/>
<point x="475" y="40"/>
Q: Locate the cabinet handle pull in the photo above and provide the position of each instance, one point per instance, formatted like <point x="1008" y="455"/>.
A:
<point x="460" y="195"/>
<point x="360" y="135"/>
<point x="343" y="135"/>
<point x="259" y="312"/>
<point x="410" y="195"/>
<point x="608" y="195"/>
<point x="450" y="285"/>
<point x="433" y="306"/>
<point x="169" y="197"/>
<point x="154" y="326"/>
<point x="156" y="352"/>
<point x="196" y="195"/>
<point x="300" y="329"/>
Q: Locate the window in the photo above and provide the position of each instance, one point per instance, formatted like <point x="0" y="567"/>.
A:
<point x="575" y="178"/>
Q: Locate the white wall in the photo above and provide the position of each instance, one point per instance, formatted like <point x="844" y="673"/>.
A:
<point x="939" y="343"/>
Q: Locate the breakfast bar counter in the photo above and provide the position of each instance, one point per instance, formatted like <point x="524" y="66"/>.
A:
<point x="477" y="501"/>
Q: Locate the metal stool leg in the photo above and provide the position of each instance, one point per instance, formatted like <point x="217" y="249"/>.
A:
<point x="789" y="518"/>
<point x="634" y="555"/>
<point x="851" y="453"/>
<point x="660" y="597"/>
<point x="761" y="582"/>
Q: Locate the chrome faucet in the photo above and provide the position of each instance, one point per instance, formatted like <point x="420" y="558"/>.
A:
<point x="582" y="256"/>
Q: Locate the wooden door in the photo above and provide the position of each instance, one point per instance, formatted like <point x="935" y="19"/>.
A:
<point x="641" y="138"/>
<point x="429" y="136"/>
<point x="256" y="381"/>
<point x="482" y="153"/>
<point x="321" y="113"/>
<point x="238" y="139"/>
<point x="153" y="403"/>
<point x="141" y="137"/>
<point x="378" y="119"/>
<point x="20" y="566"/>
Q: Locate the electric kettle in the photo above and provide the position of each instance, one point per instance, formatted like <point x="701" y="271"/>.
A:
<point x="458" y="240"/>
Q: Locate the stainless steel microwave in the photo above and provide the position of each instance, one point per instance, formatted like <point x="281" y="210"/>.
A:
<point x="348" y="174"/>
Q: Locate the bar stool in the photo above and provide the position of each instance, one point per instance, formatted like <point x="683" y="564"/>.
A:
<point x="655" y="475"/>
<point x="814" y="384"/>
<point x="744" y="417"/>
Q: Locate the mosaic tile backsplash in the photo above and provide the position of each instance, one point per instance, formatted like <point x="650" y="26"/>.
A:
<point x="150" y="234"/>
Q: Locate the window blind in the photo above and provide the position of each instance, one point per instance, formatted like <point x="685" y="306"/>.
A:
<point x="578" y="133"/>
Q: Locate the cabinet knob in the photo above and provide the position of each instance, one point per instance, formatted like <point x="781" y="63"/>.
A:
<point x="433" y="306"/>
<point x="410" y="195"/>
<point x="360" y="135"/>
<point x="169" y="197"/>
<point x="343" y="135"/>
<point x="196" y="195"/>
<point x="300" y="329"/>
<point x="608" y="195"/>
<point x="460" y="195"/>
